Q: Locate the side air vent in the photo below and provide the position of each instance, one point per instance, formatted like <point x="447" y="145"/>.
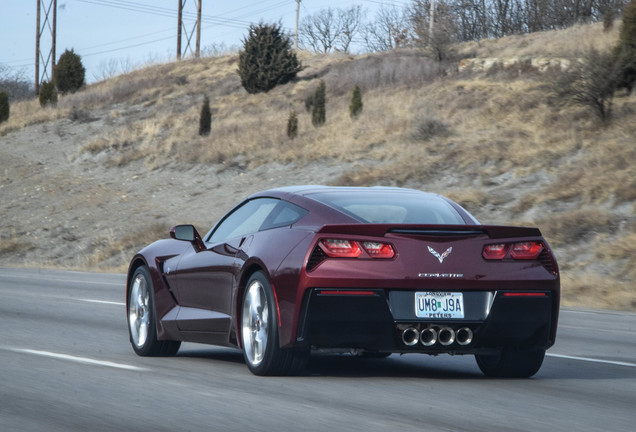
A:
<point x="317" y="256"/>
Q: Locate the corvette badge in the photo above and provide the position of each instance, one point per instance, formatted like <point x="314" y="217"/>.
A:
<point x="442" y="256"/>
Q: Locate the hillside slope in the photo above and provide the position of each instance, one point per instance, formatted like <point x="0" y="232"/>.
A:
<point x="112" y="167"/>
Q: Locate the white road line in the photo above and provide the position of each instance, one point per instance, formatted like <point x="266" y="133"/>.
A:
<point x="53" y="279"/>
<point x="103" y="302"/>
<point x="75" y="359"/>
<point x="591" y="360"/>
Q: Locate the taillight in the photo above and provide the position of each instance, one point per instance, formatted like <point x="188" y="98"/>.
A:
<point x="526" y="250"/>
<point x="521" y="250"/>
<point x="495" y="251"/>
<point x="378" y="249"/>
<point x="338" y="248"/>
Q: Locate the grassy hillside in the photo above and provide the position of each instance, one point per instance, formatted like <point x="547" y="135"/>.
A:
<point x="494" y="141"/>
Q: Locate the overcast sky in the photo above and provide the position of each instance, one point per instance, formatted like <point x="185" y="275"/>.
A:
<point x="135" y="32"/>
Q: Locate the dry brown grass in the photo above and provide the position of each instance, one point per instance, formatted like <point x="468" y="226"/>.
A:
<point x="14" y="246"/>
<point x="577" y="226"/>
<point x="597" y="292"/>
<point x="29" y="112"/>
<point x="469" y="197"/>
<point x="562" y="43"/>
<point x="107" y="248"/>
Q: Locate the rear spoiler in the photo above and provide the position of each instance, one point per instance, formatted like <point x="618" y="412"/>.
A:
<point x="381" y="230"/>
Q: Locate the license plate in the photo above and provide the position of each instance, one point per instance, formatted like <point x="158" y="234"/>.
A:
<point x="439" y="305"/>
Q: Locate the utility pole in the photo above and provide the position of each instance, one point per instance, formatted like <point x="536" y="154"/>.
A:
<point x="431" y="22"/>
<point x="188" y="34"/>
<point x="179" y="25"/>
<point x="50" y="19"/>
<point x="198" y="48"/>
<point x="296" y="34"/>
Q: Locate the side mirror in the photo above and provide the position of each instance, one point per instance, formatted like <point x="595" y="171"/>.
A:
<point x="183" y="232"/>
<point x="187" y="233"/>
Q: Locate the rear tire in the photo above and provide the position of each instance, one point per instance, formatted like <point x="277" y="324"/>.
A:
<point x="511" y="364"/>
<point x="142" y="327"/>
<point x="259" y="332"/>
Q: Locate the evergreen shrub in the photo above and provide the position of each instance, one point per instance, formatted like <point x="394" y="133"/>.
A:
<point x="267" y="59"/>
<point x="318" y="110"/>
<point x="4" y="107"/>
<point x="69" y="72"/>
<point x="48" y="94"/>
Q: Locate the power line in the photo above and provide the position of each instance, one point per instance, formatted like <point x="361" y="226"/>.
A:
<point x="170" y="13"/>
<point x="238" y="18"/>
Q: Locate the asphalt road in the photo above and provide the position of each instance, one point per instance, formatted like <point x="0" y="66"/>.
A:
<point x="66" y="365"/>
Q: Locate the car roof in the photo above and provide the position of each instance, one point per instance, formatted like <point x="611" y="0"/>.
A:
<point x="305" y="190"/>
<point x="316" y="198"/>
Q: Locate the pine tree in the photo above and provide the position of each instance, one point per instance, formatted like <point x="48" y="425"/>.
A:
<point x="626" y="50"/>
<point x="267" y="59"/>
<point x="355" y="106"/>
<point x="292" y="125"/>
<point x="69" y="72"/>
<point x="318" y="110"/>
<point x="205" y="119"/>
<point x="48" y="94"/>
<point x="4" y="107"/>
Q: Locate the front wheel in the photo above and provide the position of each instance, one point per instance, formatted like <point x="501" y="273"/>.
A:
<point x="511" y="364"/>
<point x="141" y="318"/>
<point x="259" y="331"/>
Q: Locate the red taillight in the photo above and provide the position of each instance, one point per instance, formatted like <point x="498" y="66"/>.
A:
<point x="378" y="249"/>
<point x="340" y="248"/>
<point x="526" y="250"/>
<point x="495" y="251"/>
<point x="521" y="250"/>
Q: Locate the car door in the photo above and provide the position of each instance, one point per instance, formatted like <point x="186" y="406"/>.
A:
<point x="206" y="279"/>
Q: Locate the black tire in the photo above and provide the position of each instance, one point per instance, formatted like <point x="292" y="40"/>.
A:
<point x="511" y="364"/>
<point x="259" y="332"/>
<point x="142" y="327"/>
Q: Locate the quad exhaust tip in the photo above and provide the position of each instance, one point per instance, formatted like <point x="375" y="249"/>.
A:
<point x="430" y="336"/>
<point x="464" y="336"/>
<point x="446" y="336"/>
<point x="410" y="336"/>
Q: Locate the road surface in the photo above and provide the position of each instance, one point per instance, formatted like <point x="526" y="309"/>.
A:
<point x="66" y="365"/>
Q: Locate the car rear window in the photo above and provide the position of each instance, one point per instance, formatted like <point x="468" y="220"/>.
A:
<point x="392" y="207"/>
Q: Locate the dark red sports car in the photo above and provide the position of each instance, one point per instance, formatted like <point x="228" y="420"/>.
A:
<point x="371" y="271"/>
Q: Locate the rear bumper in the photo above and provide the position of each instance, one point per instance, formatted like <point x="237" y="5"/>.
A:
<point x="376" y="320"/>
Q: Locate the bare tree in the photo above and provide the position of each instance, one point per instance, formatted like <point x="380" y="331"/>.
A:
<point x="591" y="83"/>
<point x="113" y="67"/>
<point x="391" y="29"/>
<point x="317" y="31"/>
<point x="14" y="84"/>
<point x="478" y="19"/>
<point x="350" y="24"/>
<point x="464" y="20"/>
<point x="331" y="29"/>
<point x="438" y="41"/>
